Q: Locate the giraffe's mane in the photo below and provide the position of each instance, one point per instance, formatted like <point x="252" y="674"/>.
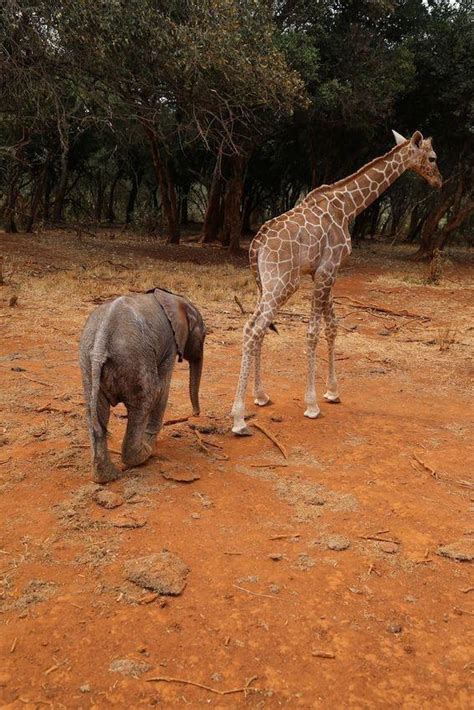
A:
<point x="341" y="183"/>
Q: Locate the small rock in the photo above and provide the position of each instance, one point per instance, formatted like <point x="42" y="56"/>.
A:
<point x="13" y="301"/>
<point x="316" y="500"/>
<point x="394" y="628"/>
<point x="86" y="688"/>
<point x="217" y="677"/>
<point x="161" y="572"/>
<point x="250" y="579"/>
<point x="195" y="516"/>
<point x="133" y="669"/>
<point x="274" y="588"/>
<point x="337" y="543"/>
<point x="126" y="520"/>
<point x="181" y="475"/>
<point x="390" y="548"/>
<point x="276" y="418"/>
<point x="149" y="598"/>
<point x="304" y="562"/>
<point x="108" y="499"/>
<point x="276" y="556"/>
<point x="461" y="551"/>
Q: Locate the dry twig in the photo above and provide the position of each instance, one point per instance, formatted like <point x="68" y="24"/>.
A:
<point x="255" y="594"/>
<point x="242" y="310"/>
<point x="272" y="438"/>
<point x="166" y="679"/>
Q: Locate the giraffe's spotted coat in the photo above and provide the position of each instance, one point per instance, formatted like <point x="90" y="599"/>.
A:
<point x="313" y="238"/>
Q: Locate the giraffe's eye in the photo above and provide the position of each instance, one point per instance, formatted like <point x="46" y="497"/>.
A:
<point x="432" y="159"/>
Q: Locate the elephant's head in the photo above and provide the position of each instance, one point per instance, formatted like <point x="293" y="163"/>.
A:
<point x="189" y="334"/>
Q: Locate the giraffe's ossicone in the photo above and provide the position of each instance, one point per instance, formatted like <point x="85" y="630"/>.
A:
<point x="313" y="238"/>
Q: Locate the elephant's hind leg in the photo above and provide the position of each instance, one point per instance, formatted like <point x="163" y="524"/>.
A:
<point x="135" y="449"/>
<point x="103" y="470"/>
<point x="155" y="420"/>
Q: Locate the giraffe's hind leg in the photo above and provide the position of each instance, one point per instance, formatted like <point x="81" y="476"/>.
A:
<point x="260" y="397"/>
<point x="323" y="282"/>
<point x="254" y="331"/>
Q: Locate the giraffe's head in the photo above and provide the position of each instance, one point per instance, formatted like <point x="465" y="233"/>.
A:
<point x="421" y="158"/>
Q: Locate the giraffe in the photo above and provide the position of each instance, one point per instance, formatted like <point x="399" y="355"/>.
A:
<point x="313" y="238"/>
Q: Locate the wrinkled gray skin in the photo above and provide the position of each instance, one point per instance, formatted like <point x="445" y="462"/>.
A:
<point x="127" y="353"/>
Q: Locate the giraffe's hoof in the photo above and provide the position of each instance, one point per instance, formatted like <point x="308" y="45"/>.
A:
<point x="312" y="412"/>
<point x="263" y="401"/>
<point x="241" y="431"/>
<point x="332" y="398"/>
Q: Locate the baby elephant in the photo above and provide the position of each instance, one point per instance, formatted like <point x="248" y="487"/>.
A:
<point x="127" y="353"/>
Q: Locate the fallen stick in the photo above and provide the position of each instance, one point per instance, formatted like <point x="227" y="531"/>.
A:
<point x="284" y="537"/>
<point x="242" y="310"/>
<point x="272" y="438"/>
<point x="379" y="539"/>
<point x="323" y="654"/>
<point x="203" y="445"/>
<point x="38" y="382"/>
<point x="268" y="465"/>
<point x="425" y="466"/>
<point x="255" y="594"/>
<point x="166" y="679"/>
<point x="179" y="420"/>
<point x="383" y="309"/>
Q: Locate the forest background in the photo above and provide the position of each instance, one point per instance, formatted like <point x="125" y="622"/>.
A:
<point x="212" y="116"/>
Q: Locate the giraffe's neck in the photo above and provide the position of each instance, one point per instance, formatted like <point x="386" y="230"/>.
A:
<point x="363" y="187"/>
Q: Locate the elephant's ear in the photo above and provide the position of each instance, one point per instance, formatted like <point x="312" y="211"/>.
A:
<point x="175" y="309"/>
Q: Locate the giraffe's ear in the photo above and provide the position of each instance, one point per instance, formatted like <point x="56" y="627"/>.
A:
<point x="417" y="140"/>
<point x="399" y="139"/>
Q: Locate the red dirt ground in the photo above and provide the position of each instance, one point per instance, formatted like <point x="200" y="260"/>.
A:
<point x="269" y="603"/>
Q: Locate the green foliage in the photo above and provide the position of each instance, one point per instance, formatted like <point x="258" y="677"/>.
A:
<point x="305" y="90"/>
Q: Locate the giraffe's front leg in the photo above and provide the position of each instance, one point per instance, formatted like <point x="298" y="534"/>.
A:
<point x="332" y="393"/>
<point x="312" y="410"/>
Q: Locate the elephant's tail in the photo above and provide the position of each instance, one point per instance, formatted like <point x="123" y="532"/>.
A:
<point x="98" y="358"/>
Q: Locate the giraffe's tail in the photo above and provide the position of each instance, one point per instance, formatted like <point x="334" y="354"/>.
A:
<point x="253" y="258"/>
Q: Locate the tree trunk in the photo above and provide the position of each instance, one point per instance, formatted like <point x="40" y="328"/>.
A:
<point x="62" y="185"/>
<point x="132" y="196"/>
<point x="36" y="199"/>
<point x="430" y="227"/>
<point x="232" y="204"/>
<point x="10" y="204"/>
<point x="213" y="217"/>
<point x="183" y="207"/>
<point x="47" y="196"/>
<point x="110" y="215"/>
<point x="167" y="190"/>
<point x="312" y="158"/>
<point x="99" y="203"/>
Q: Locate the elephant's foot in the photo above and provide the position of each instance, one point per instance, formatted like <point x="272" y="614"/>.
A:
<point x="150" y="440"/>
<point x="104" y="472"/>
<point x="136" y="458"/>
